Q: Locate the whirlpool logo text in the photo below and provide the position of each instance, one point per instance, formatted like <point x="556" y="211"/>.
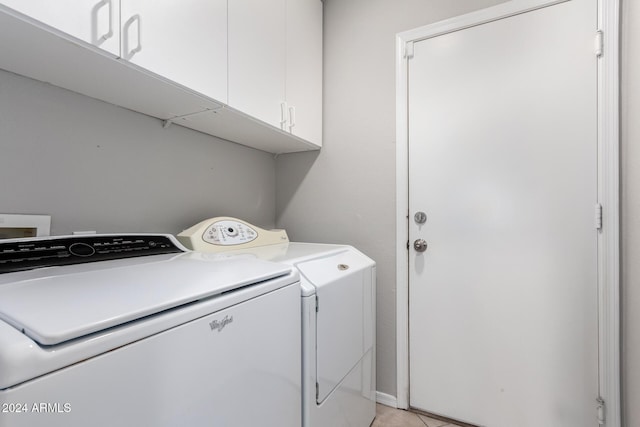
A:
<point x="219" y="325"/>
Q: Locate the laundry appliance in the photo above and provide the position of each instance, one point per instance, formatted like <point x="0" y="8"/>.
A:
<point x="338" y="315"/>
<point x="134" y="330"/>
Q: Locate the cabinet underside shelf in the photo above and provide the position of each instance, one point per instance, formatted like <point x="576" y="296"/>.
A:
<point x="32" y="49"/>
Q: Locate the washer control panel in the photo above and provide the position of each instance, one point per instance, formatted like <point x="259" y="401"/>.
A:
<point x="225" y="233"/>
<point x="28" y="254"/>
<point x="228" y="232"/>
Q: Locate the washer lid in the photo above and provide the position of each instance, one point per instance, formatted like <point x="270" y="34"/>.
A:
<point x="75" y="301"/>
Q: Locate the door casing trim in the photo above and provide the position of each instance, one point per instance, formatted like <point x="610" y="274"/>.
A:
<point x="608" y="191"/>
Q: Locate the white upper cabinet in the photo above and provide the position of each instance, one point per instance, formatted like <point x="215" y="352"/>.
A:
<point x="249" y="71"/>
<point x="275" y="63"/>
<point x="257" y="59"/>
<point x="183" y="41"/>
<point x="304" y="69"/>
<point x="94" y="21"/>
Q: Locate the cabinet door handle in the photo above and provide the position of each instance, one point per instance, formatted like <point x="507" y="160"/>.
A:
<point x="283" y="115"/>
<point x="109" y="33"/>
<point x="127" y="30"/>
<point x="292" y="118"/>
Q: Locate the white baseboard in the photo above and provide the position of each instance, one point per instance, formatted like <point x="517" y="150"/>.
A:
<point x="386" y="399"/>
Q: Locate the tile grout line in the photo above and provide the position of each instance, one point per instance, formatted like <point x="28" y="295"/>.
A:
<point x="421" y="420"/>
<point x="425" y="423"/>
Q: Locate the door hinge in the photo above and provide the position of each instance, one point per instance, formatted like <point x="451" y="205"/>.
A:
<point x="598" y="217"/>
<point x="408" y="50"/>
<point x="599" y="43"/>
<point x="601" y="410"/>
<point x="407" y="245"/>
<point x="317" y="304"/>
<point x="317" y="391"/>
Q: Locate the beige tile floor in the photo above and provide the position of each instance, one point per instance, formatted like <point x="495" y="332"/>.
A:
<point x="390" y="417"/>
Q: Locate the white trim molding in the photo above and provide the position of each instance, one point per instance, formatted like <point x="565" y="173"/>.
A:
<point x="609" y="198"/>
<point x="402" y="229"/>
<point x="608" y="190"/>
<point x="386" y="399"/>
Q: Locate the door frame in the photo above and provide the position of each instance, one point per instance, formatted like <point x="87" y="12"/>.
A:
<point x="608" y="237"/>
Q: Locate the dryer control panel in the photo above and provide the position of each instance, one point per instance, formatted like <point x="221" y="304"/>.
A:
<point x="225" y="233"/>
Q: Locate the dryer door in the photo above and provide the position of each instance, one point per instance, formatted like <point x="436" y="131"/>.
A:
<point x="343" y="284"/>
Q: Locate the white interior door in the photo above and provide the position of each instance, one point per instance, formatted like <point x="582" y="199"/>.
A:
<point x="503" y="161"/>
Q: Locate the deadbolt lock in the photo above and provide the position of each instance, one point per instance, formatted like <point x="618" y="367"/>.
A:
<point x="420" y="217"/>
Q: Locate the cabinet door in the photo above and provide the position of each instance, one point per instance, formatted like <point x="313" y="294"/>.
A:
<point x="257" y="58"/>
<point x="304" y="69"/>
<point x="94" y="21"/>
<point x="183" y="41"/>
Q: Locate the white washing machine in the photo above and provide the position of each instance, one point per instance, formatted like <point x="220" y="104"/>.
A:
<point x="132" y="330"/>
<point x="338" y="315"/>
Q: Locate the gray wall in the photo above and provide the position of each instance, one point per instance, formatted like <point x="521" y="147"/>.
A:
<point x="95" y="166"/>
<point x="347" y="192"/>
<point x="630" y="227"/>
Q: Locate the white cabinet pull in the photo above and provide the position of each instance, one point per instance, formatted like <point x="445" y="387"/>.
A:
<point x="109" y="33"/>
<point x="127" y="30"/>
<point x="292" y="118"/>
<point x="283" y="115"/>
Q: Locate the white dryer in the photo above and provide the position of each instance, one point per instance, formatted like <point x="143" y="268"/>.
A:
<point x="132" y="330"/>
<point x="338" y="315"/>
